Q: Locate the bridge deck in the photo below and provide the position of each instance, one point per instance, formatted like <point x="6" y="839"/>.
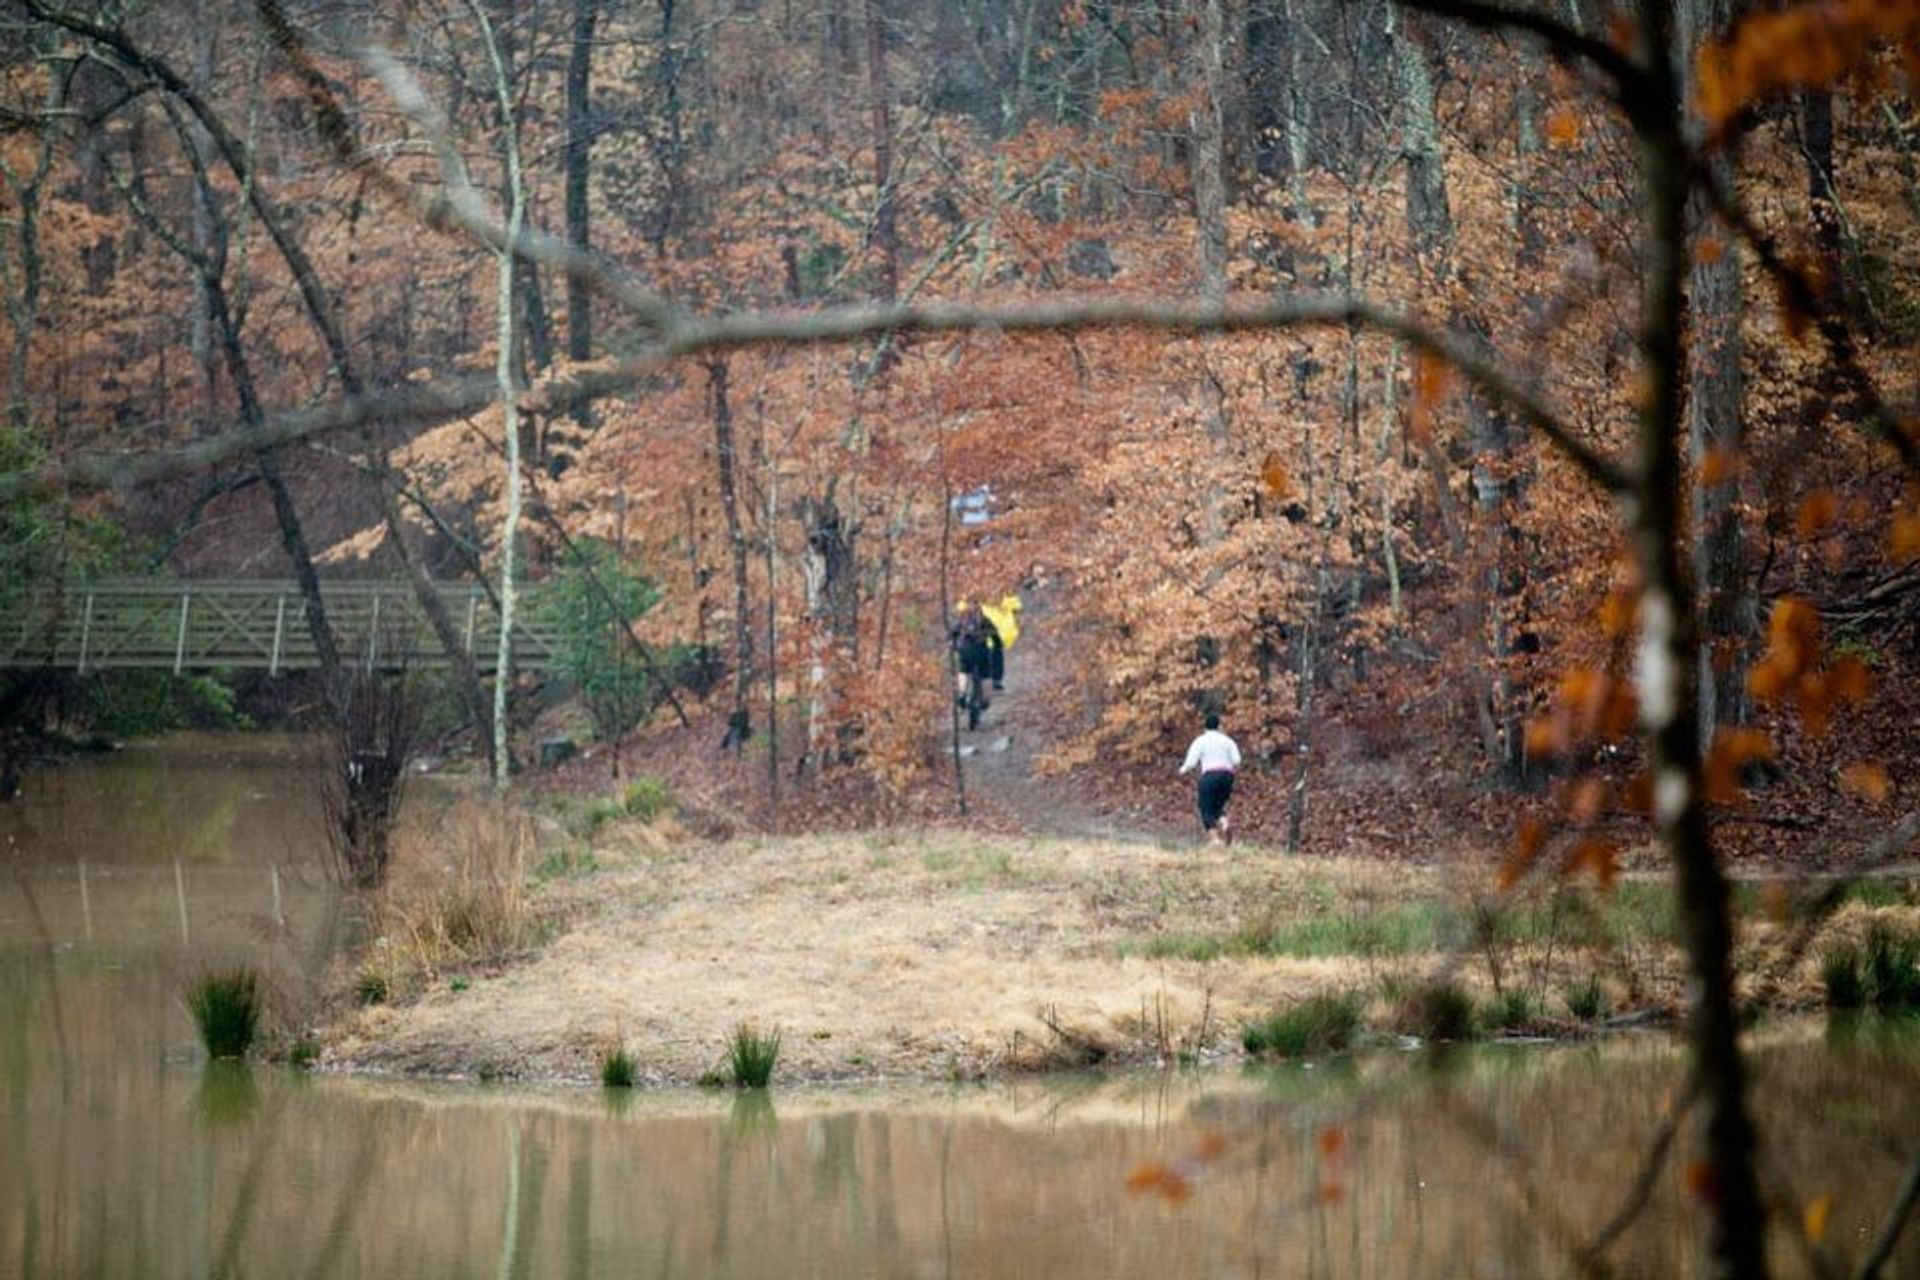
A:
<point x="203" y="624"/>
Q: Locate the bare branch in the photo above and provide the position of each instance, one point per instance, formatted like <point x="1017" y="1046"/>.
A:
<point x="1565" y="41"/>
<point x="1896" y="1222"/>
<point x="1591" y="1255"/>
<point x="462" y="205"/>
<point x="439" y="401"/>
<point x="1800" y="293"/>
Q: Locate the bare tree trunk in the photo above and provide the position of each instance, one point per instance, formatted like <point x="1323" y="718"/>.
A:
<point x="886" y="234"/>
<point x="1429" y="214"/>
<point x="1430" y="220"/>
<point x="24" y="281"/>
<point x="1816" y="124"/>
<point x="509" y="402"/>
<point x="579" y="165"/>
<point x="1305" y="675"/>
<point x="1715" y="417"/>
<point x="833" y="605"/>
<point x="208" y="266"/>
<point x="946" y="632"/>
<point x="1299" y="120"/>
<point x="1206" y="164"/>
<point x="1206" y="130"/>
<point x="771" y="545"/>
<point x="1382" y="465"/>
<point x="200" y="335"/>
<point x="739" y="721"/>
<point x="669" y="144"/>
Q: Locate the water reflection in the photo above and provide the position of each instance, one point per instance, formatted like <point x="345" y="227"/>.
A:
<point x="227" y="1097"/>
<point x="128" y="1156"/>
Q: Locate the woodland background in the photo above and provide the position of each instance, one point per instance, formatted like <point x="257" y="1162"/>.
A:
<point x="1378" y="575"/>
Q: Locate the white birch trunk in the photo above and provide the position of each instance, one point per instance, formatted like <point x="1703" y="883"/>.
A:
<point x="509" y="408"/>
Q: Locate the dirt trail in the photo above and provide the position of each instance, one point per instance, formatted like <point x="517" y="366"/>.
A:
<point x="1002" y="758"/>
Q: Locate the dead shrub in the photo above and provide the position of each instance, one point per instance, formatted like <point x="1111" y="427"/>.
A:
<point x="369" y="733"/>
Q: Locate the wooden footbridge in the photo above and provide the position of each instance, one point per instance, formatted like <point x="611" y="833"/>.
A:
<point x="186" y="625"/>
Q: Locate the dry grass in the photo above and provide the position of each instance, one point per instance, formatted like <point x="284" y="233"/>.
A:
<point x="943" y="953"/>
<point x="457" y="895"/>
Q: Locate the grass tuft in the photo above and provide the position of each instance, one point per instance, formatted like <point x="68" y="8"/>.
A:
<point x="226" y="1008"/>
<point x="1511" y="1009"/>
<point x="1840" y="974"/>
<point x="751" y="1055"/>
<point x="1317" y="1025"/>
<point x="1891" y="967"/>
<point x="646" y="798"/>
<point x="1586" y="1001"/>
<point x="617" y="1068"/>
<point x="1437" y="1011"/>
<point x="1883" y="971"/>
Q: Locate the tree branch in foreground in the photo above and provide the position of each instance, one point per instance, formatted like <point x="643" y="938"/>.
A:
<point x="1895" y="1223"/>
<point x="1594" y="1251"/>
<point x="1562" y="39"/>
<point x="1802" y="297"/>
<point x="439" y="401"/>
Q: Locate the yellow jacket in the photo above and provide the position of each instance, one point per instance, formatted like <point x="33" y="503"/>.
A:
<point x="1005" y="618"/>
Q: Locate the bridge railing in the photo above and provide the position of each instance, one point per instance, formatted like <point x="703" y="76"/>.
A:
<point x="203" y="624"/>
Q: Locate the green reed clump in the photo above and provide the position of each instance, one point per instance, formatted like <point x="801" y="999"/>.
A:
<point x="1510" y="1009"/>
<point x="1891" y="967"/>
<point x="1883" y="971"/>
<point x="1840" y="975"/>
<point x="751" y="1055"/>
<point x="1586" y="1001"/>
<point x="617" y="1069"/>
<point x="1437" y="1011"/>
<point x="1317" y="1025"/>
<point x="226" y="1008"/>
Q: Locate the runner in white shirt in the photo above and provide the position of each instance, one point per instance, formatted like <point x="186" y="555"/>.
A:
<point x="1216" y="756"/>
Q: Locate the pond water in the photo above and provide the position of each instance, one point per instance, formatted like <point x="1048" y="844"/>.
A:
<point x="126" y="1155"/>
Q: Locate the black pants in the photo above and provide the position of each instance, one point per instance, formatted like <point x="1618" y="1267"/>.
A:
<point x="1216" y="788"/>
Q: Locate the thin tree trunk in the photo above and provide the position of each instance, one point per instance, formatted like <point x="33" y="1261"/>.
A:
<point x="579" y="165"/>
<point x="946" y="632"/>
<point x="200" y="325"/>
<point x="1305" y="675"/>
<point x="669" y="145"/>
<point x="1816" y="121"/>
<point x="770" y="532"/>
<point x="509" y="404"/>
<point x="1715" y="418"/>
<point x="739" y="722"/>
<point x="886" y="236"/>
<point x="1430" y="220"/>
<point x="1382" y="466"/>
<point x="23" y="302"/>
